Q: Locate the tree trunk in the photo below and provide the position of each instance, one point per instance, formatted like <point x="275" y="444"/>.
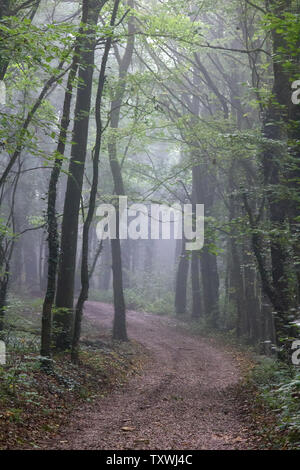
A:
<point x="105" y="274"/>
<point x="181" y="282"/>
<point x="119" y="327"/>
<point x="53" y="243"/>
<point x="196" y="293"/>
<point x="83" y="296"/>
<point x="4" y="278"/>
<point x="67" y="263"/>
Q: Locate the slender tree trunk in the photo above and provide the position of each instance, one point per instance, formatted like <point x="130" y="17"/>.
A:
<point x="53" y="243"/>
<point x="210" y="281"/>
<point x="83" y="296"/>
<point x="181" y="282"/>
<point x="67" y="263"/>
<point x="106" y="267"/>
<point x="238" y="289"/>
<point x="196" y="293"/>
<point x="208" y="261"/>
<point x="251" y="296"/>
<point x="126" y="260"/>
<point x="4" y="278"/>
<point x="119" y="327"/>
<point x="195" y="257"/>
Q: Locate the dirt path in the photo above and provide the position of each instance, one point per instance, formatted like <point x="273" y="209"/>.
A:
<point x="185" y="398"/>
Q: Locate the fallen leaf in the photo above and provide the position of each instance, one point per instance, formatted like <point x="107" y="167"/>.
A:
<point x="128" y="428"/>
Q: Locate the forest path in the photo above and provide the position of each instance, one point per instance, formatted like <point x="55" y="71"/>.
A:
<point x="185" y="398"/>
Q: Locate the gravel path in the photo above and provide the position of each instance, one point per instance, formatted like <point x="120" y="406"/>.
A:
<point x="185" y="398"/>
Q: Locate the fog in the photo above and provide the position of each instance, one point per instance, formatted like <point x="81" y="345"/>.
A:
<point x="168" y="104"/>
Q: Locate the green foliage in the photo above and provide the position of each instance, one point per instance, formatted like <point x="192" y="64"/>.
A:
<point x="22" y="315"/>
<point x="24" y="43"/>
<point x="287" y="26"/>
<point x="139" y="300"/>
<point x="279" y="389"/>
<point x="142" y="300"/>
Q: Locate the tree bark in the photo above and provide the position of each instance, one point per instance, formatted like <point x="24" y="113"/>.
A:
<point x="83" y="296"/>
<point x="119" y="326"/>
<point x="196" y="293"/>
<point x="181" y="282"/>
<point x="67" y="263"/>
<point x="52" y="230"/>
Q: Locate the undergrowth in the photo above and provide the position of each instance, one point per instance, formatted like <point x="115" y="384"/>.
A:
<point x="277" y="391"/>
<point x="33" y="404"/>
<point x="139" y="300"/>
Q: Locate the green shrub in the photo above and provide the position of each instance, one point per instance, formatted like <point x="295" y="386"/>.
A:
<point x="137" y="299"/>
<point x="105" y="296"/>
<point x="279" y="388"/>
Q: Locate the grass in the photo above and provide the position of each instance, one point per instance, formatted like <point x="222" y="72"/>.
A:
<point x="33" y="405"/>
<point x="139" y="300"/>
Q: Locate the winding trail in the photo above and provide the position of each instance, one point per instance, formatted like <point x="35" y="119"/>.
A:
<point x="185" y="398"/>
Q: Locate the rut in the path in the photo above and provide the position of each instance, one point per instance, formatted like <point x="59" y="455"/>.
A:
<point x="185" y="398"/>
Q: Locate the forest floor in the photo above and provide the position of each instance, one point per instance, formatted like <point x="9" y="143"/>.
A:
<point x="188" y="395"/>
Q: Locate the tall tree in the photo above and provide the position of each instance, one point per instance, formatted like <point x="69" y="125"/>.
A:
<point x="83" y="296"/>
<point x="69" y="235"/>
<point x="52" y="226"/>
<point x="119" y="326"/>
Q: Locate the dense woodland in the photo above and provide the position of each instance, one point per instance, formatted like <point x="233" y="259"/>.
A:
<point x="165" y="102"/>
